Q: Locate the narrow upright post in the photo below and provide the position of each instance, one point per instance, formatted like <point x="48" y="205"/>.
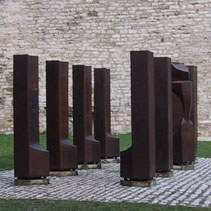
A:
<point x="163" y="117"/>
<point x="138" y="162"/>
<point x="193" y="117"/>
<point x="63" y="154"/>
<point x="102" y="114"/>
<point x="30" y="159"/>
<point x="183" y="129"/>
<point x="88" y="148"/>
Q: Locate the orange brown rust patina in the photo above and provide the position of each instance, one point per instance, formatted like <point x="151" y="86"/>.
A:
<point x="138" y="162"/>
<point x="102" y="114"/>
<point x="163" y="115"/>
<point x="63" y="154"/>
<point x="183" y="129"/>
<point x="88" y="148"/>
<point x="193" y="117"/>
<point x="30" y="159"/>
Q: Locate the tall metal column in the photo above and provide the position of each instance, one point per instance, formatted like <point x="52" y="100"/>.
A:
<point x="138" y="162"/>
<point x="193" y="117"/>
<point x="88" y="148"/>
<point x="63" y="154"/>
<point x="31" y="160"/>
<point x="163" y="115"/>
<point x="183" y="129"/>
<point x="102" y="114"/>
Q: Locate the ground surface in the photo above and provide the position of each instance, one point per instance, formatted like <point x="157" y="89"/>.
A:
<point x="7" y="153"/>
<point x="189" y="188"/>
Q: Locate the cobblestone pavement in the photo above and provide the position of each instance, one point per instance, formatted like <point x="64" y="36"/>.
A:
<point x="189" y="188"/>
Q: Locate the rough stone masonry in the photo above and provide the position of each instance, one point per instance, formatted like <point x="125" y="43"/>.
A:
<point x="101" y="33"/>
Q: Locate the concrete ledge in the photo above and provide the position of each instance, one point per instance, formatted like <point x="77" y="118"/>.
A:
<point x="204" y="138"/>
<point x="43" y="181"/>
<point x="89" y="166"/>
<point x="110" y="160"/>
<point x="164" y="174"/>
<point x="144" y="183"/>
<point x="184" y="167"/>
<point x="63" y="173"/>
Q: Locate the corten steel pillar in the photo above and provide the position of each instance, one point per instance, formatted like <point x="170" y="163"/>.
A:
<point x="193" y="117"/>
<point x="138" y="162"/>
<point x="163" y="115"/>
<point x="30" y="159"/>
<point x="63" y="154"/>
<point x="102" y="114"/>
<point x="88" y="148"/>
<point x="179" y="72"/>
<point x="183" y="129"/>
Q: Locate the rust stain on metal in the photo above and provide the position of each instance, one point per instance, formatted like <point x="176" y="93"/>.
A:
<point x="63" y="154"/>
<point x="102" y="114"/>
<point x="88" y="147"/>
<point x="30" y="159"/>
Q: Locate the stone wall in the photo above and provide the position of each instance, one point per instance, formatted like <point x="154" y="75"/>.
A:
<point x="101" y="33"/>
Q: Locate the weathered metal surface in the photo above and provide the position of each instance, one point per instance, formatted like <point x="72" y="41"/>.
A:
<point x="143" y="183"/>
<point x="183" y="129"/>
<point x="39" y="181"/>
<point x="179" y="72"/>
<point x="88" y="148"/>
<point x="193" y="117"/>
<point x="63" y="154"/>
<point x="164" y="174"/>
<point x="30" y="159"/>
<point x="184" y="167"/>
<point x="163" y="115"/>
<point x="138" y="162"/>
<point x="63" y="173"/>
<point x="102" y="114"/>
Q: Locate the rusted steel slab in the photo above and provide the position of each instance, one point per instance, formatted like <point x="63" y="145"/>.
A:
<point x="102" y="114"/>
<point x="63" y="154"/>
<point x="30" y="159"/>
<point x="88" y="147"/>
<point x="163" y="114"/>
<point x="193" y="117"/>
<point x="138" y="162"/>
<point x="183" y="129"/>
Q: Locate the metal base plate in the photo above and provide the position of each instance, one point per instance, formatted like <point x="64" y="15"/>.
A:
<point x="145" y="183"/>
<point x="89" y="166"/>
<point x="195" y="161"/>
<point x="110" y="160"/>
<point x="164" y="174"/>
<point x="184" y="167"/>
<point x="63" y="173"/>
<point x="41" y="181"/>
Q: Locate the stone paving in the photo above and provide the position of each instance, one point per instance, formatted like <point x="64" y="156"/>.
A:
<point x="189" y="188"/>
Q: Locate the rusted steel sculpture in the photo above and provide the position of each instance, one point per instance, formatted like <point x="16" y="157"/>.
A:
<point x="183" y="129"/>
<point x="63" y="154"/>
<point x="179" y="72"/>
<point x="193" y="117"/>
<point x="163" y="115"/>
<point x="31" y="160"/>
<point x="88" y="148"/>
<point x="138" y="162"/>
<point x="102" y="114"/>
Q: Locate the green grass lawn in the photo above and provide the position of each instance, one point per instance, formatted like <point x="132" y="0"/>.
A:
<point x="204" y="147"/>
<point x="6" y="163"/>
<point x="54" y="205"/>
<point x="6" y="148"/>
